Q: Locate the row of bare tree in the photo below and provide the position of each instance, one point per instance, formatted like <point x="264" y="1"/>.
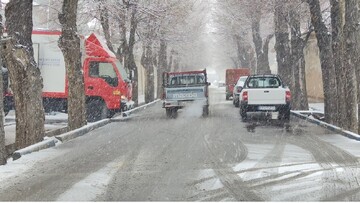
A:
<point x="157" y="27"/>
<point x="292" y="22"/>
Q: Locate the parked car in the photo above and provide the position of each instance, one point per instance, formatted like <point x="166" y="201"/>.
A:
<point x="265" y="93"/>
<point x="237" y="90"/>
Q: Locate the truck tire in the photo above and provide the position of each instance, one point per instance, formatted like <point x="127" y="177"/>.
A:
<point x="227" y="97"/>
<point x="171" y="112"/>
<point x="205" y="111"/>
<point x="168" y="112"/>
<point x="237" y="103"/>
<point x="96" y="110"/>
<point x="243" y="113"/>
<point x="284" y="115"/>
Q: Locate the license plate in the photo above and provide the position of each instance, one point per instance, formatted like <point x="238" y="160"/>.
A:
<point x="266" y="108"/>
<point x="182" y="103"/>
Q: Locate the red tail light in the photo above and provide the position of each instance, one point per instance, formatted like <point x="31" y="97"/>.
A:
<point x="163" y="95"/>
<point x="245" y="96"/>
<point x="288" y="96"/>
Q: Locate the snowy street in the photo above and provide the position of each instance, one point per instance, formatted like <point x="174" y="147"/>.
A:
<point x="190" y="158"/>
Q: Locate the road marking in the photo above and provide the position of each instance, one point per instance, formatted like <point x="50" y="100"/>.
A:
<point x="93" y="185"/>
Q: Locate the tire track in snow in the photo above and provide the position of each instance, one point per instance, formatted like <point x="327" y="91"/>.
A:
<point x="232" y="182"/>
<point x="93" y="185"/>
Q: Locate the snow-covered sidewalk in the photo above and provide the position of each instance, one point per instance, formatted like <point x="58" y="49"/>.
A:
<point x="316" y="107"/>
<point x="53" y="121"/>
<point x="312" y="115"/>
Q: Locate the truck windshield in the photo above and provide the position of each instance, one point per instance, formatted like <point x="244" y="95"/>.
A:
<point x="180" y="80"/>
<point x="263" y="82"/>
<point x="124" y="74"/>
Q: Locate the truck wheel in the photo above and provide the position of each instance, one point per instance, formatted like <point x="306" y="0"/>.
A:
<point x="284" y="115"/>
<point x="96" y="110"/>
<point x="205" y="111"/>
<point x="243" y="113"/>
<point x="237" y="104"/>
<point x="168" y="113"/>
<point x="227" y="97"/>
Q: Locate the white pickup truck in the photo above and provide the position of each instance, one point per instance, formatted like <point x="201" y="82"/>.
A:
<point x="185" y="88"/>
<point x="265" y="93"/>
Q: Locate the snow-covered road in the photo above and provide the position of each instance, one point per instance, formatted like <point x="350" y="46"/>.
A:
<point x="191" y="158"/>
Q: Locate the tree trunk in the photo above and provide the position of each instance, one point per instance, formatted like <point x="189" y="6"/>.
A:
<point x="130" y="59"/>
<point x="264" y="57"/>
<point x="69" y="43"/>
<point x="255" y="27"/>
<point x="299" y="100"/>
<point x="162" y="66"/>
<point x="177" y="64"/>
<point x="282" y="44"/>
<point x="261" y="49"/>
<point x="243" y="52"/>
<point x="337" y="23"/>
<point x="104" y="20"/>
<point x="326" y="59"/>
<point x="24" y="74"/>
<point x="171" y="61"/>
<point x="147" y="63"/>
<point x="352" y="62"/>
<point x="3" y="153"/>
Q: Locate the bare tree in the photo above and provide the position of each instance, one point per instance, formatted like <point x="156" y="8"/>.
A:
<point x="297" y="58"/>
<point x="24" y="73"/>
<point x="326" y="58"/>
<point x="3" y="154"/>
<point x="352" y="62"/>
<point x="337" y="25"/>
<point x="69" y="43"/>
<point x="282" y="45"/>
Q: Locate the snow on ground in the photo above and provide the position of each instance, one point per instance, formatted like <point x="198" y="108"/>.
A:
<point x="93" y="185"/>
<point x="316" y="107"/>
<point x="48" y="116"/>
<point x="10" y="131"/>
<point x="349" y="145"/>
<point x="18" y="167"/>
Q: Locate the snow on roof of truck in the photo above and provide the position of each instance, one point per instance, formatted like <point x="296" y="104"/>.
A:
<point x="46" y="32"/>
<point x="264" y="75"/>
<point x="186" y="72"/>
<point x="95" y="46"/>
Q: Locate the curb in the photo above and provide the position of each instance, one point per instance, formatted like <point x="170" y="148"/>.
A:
<point x="325" y="125"/>
<point x="83" y="130"/>
<point x="33" y="148"/>
<point x="47" y="143"/>
<point x="127" y="113"/>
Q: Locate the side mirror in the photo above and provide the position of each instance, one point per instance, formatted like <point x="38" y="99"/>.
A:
<point x="209" y="83"/>
<point x="239" y="89"/>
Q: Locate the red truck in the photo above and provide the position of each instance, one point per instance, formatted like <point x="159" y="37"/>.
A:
<point x="231" y="78"/>
<point x="107" y="86"/>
